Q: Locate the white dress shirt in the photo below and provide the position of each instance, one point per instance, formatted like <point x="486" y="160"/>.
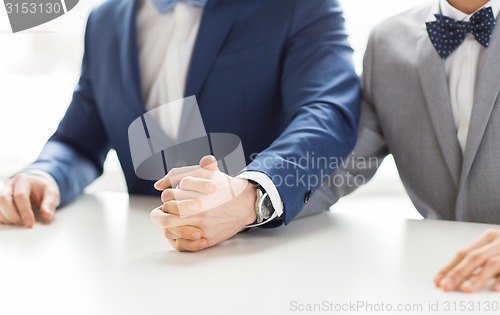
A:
<point x="462" y="67"/>
<point x="165" y="44"/>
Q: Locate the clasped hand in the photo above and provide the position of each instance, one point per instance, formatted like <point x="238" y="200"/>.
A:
<point x="202" y="206"/>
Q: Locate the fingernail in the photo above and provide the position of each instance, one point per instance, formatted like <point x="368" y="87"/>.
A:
<point x="28" y="223"/>
<point x="196" y="235"/>
<point x="47" y="210"/>
<point x="467" y="285"/>
<point x="159" y="182"/>
<point x="447" y="284"/>
<point x="438" y="277"/>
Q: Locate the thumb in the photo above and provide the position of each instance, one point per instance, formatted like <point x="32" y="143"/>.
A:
<point x="209" y="162"/>
<point x="49" y="204"/>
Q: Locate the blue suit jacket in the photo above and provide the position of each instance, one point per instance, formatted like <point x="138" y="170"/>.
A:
<point x="277" y="73"/>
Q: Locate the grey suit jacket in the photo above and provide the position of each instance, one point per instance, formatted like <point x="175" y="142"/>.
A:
<point x="406" y="112"/>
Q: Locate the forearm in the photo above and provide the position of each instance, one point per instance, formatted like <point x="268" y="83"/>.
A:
<point x="309" y="149"/>
<point x="356" y="169"/>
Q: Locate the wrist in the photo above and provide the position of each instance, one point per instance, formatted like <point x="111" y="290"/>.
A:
<point x="250" y="200"/>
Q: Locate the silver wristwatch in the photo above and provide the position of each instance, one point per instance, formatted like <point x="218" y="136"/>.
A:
<point x="263" y="205"/>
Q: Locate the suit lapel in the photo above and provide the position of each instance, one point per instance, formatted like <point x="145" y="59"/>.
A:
<point x="129" y="60"/>
<point x="487" y="89"/>
<point x="435" y="88"/>
<point x="218" y="18"/>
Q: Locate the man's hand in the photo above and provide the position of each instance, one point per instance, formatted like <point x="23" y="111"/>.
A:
<point x="203" y="206"/>
<point x="24" y="194"/>
<point x="474" y="266"/>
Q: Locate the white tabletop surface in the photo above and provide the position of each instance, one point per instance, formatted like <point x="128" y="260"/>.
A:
<point x="103" y="255"/>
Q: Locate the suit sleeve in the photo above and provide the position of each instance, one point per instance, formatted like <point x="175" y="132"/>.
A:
<point x="370" y="150"/>
<point x="320" y="92"/>
<point x="75" y="154"/>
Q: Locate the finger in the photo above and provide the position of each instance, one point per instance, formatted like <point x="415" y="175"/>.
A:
<point x="7" y="206"/>
<point x="2" y="219"/>
<point x="169" y="235"/>
<point x="166" y="181"/>
<point x="200" y="185"/>
<point x="178" y="194"/>
<point x="182" y="208"/>
<point x="443" y="272"/>
<point x="489" y="271"/>
<point x="21" y="194"/>
<point x="485" y="238"/>
<point x="184" y="232"/>
<point x="173" y="177"/>
<point x="467" y="266"/>
<point x="50" y="201"/>
<point x="192" y="246"/>
<point x="209" y="162"/>
<point x="165" y="220"/>
<point x="173" y="243"/>
<point x="496" y="286"/>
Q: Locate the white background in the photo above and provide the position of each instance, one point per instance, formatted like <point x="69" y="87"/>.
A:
<point x="39" y="69"/>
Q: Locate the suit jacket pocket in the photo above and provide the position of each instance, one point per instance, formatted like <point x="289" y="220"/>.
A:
<point x="242" y="56"/>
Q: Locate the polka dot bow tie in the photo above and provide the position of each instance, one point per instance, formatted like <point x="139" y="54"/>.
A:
<point x="448" y="34"/>
<point x="167" y="5"/>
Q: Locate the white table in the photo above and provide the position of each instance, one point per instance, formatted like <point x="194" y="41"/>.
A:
<point x="102" y="255"/>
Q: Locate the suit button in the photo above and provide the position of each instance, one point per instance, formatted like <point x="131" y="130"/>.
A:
<point x="307" y="196"/>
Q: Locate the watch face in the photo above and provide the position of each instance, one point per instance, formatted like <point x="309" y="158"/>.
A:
<point x="267" y="208"/>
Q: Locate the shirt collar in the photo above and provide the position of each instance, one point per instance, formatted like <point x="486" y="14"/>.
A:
<point x="450" y="11"/>
<point x="164" y="6"/>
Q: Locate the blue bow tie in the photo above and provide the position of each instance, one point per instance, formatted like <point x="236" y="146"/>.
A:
<point x="167" y="5"/>
<point x="448" y="34"/>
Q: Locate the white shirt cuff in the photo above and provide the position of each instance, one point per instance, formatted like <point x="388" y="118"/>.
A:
<point x="267" y="184"/>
